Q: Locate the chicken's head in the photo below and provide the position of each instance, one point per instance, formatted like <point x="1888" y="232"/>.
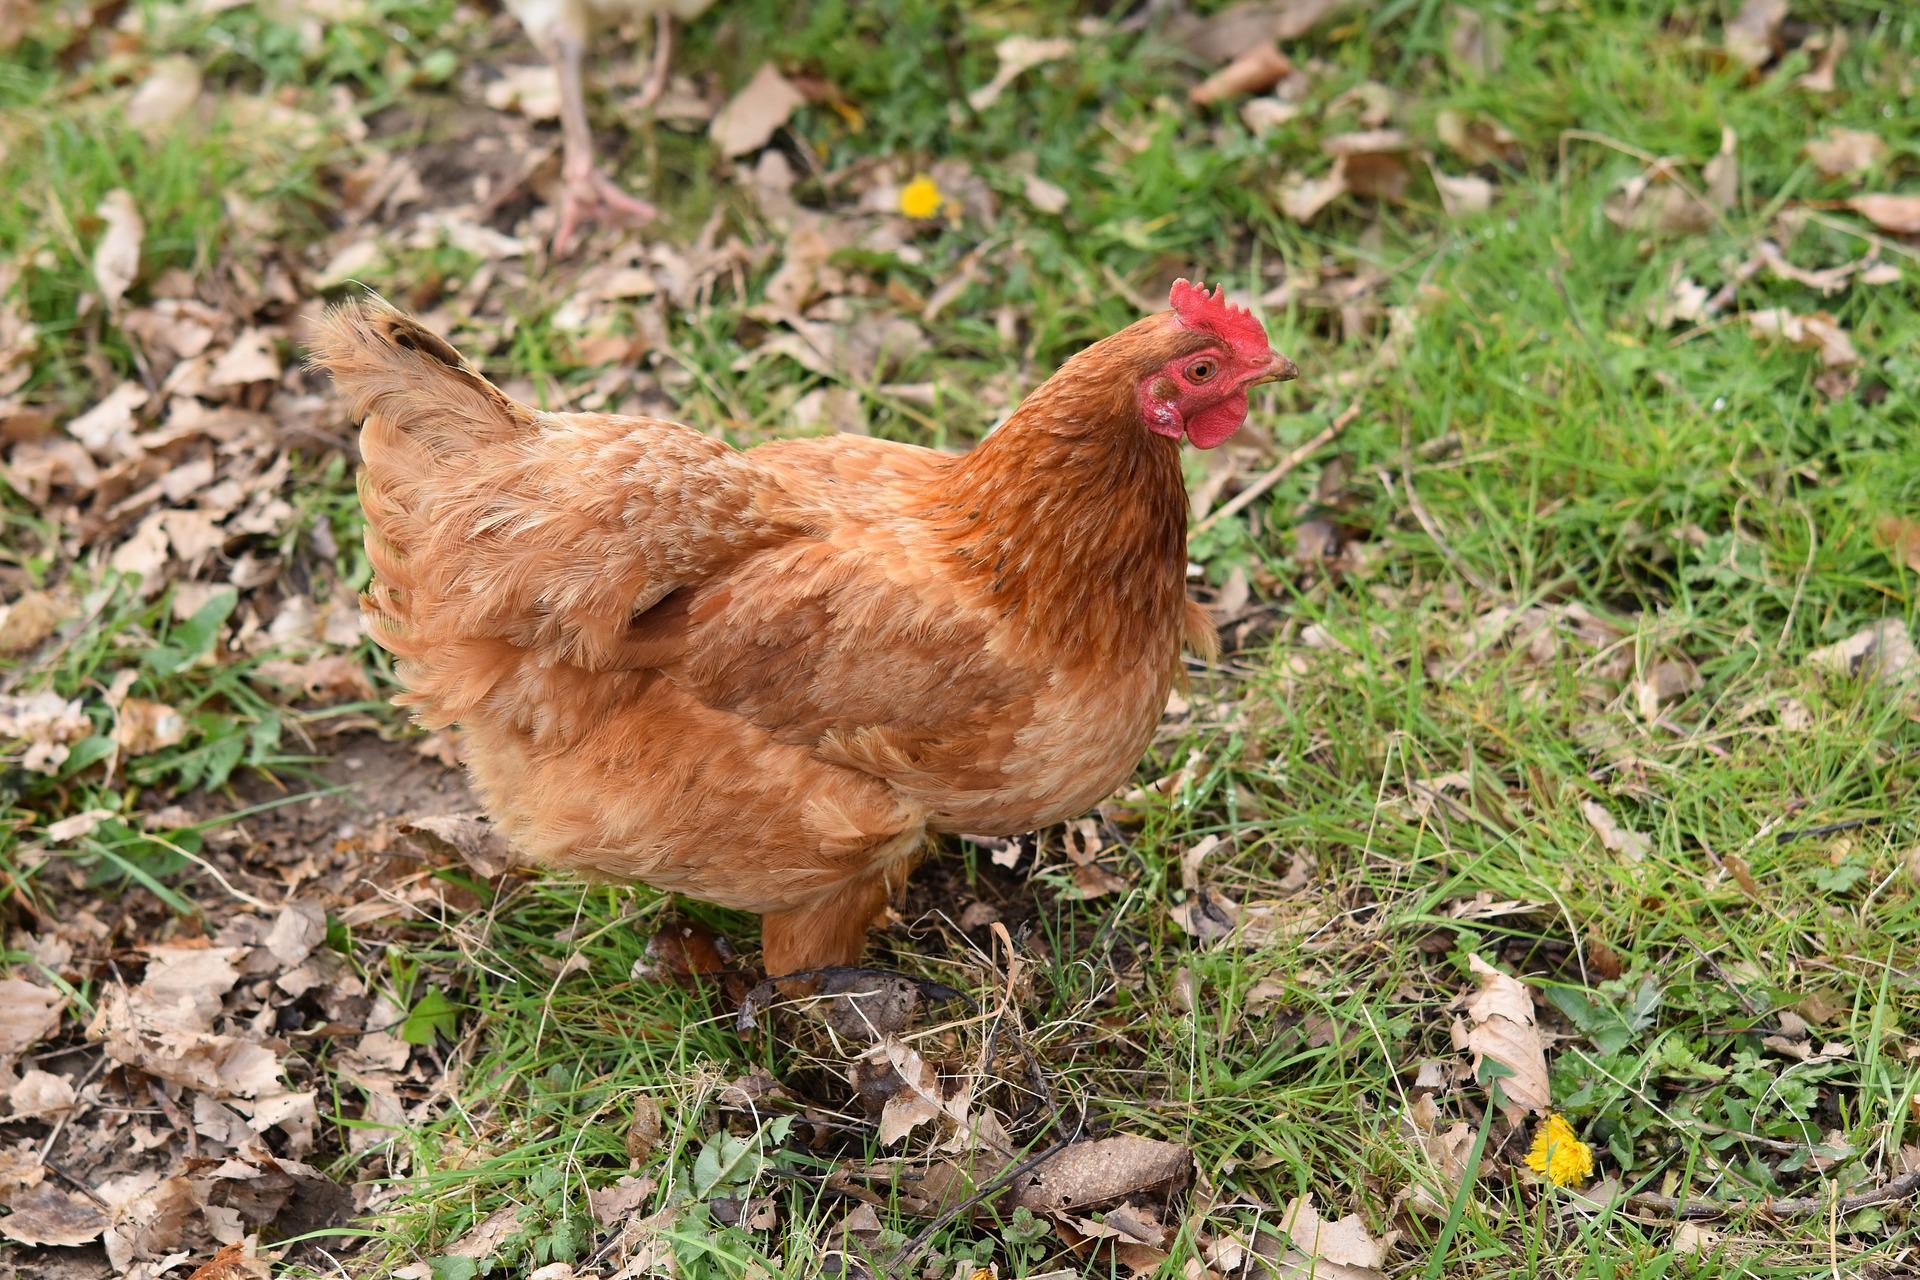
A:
<point x="1200" y="391"/>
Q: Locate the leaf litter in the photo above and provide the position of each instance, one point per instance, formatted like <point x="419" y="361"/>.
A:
<point x="223" y="384"/>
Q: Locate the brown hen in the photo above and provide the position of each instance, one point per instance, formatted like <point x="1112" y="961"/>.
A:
<point x="764" y="677"/>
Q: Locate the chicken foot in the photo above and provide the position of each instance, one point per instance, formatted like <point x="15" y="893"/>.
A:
<point x="587" y="193"/>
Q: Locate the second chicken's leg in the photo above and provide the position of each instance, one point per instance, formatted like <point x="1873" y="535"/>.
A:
<point x="587" y="193"/>
<point x="662" y="62"/>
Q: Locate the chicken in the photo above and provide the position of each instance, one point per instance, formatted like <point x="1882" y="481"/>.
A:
<point x="764" y="677"/>
<point x="562" y="29"/>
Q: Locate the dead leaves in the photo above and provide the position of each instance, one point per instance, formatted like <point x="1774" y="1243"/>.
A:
<point x="1341" y="1250"/>
<point x="1660" y="199"/>
<point x="1017" y="55"/>
<point x="920" y="1096"/>
<point x="1498" y="1027"/>
<point x="46" y="1215"/>
<point x="1841" y="153"/>
<point x="116" y="257"/>
<point x="29" y="1013"/>
<point x="1753" y="34"/>
<point x="753" y="115"/>
<point x="37" y="731"/>
<point x="1373" y="163"/>
<point x="1894" y="214"/>
<point x="1255" y="71"/>
<point x="1816" y="331"/>
<point x="1882" y="654"/>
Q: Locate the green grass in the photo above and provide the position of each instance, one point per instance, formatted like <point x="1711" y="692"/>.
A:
<point x="1526" y="437"/>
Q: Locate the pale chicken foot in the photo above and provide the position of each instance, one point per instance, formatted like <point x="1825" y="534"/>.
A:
<point x="587" y="194"/>
<point x="662" y="62"/>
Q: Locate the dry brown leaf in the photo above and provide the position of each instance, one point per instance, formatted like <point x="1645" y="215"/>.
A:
<point x="1722" y="173"/>
<point x="1475" y="44"/>
<point x="751" y="118"/>
<point x="1753" y="36"/>
<point x="253" y="357"/>
<point x="1087" y="1175"/>
<point x="1691" y="1238"/>
<point x="613" y="1205"/>
<point x="1302" y="198"/>
<point x="1898" y="534"/>
<point x="1826" y="50"/>
<point x="48" y="724"/>
<point x="487" y="1235"/>
<point x="1262" y="114"/>
<point x="531" y="90"/>
<point x="1883" y="653"/>
<point x="141" y="727"/>
<point x="148" y="1215"/>
<point x="1840" y="152"/>
<point x="464" y="837"/>
<point x="235" y="1261"/>
<point x="116" y="258"/>
<point x="1044" y="195"/>
<point x="1017" y="54"/>
<point x="1656" y="201"/>
<point x="297" y="931"/>
<point x="919" y="1097"/>
<point x="1895" y="214"/>
<point x="1477" y="140"/>
<point x="1815" y="331"/>
<point x="1499" y="1026"/>
<point x="1628" y="843"/>
<point x="75" y="826"/>
<point x="1668" y="680"/>
<point x="1684" y="301"/>
<point x="1255" y="71"/>
<point x="1375" y="163"/>
<point x="165" y="94"/>
<point x="1222" y="36"/>
<point x="1449" y="1151"/>
<point x="108" y="429"/>
<point x="29" y="620"/>
<point x="29" y="1013"/>
<point x="1463" y="195"/>
<point x="166" y="1042"/>
<point x="1341" y="1250"/>
<point x="645" y="1130"/>
<point x="45" y="1215"/>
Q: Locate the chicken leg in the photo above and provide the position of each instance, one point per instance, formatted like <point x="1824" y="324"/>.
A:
<point x="826" y="933"/>
<point x="587" y="192"/>
<point x="662" y="62"/>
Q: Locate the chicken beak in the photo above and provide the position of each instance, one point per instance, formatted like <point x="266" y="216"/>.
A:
<point x="1281" y="370"/>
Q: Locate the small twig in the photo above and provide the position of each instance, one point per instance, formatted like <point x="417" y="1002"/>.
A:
<point x="1826" y="829"/>
<point x="1432" y="527"/>
<point x="77" y="1185"/>
<point x="1746" y="1001"/>
<point x="1281" y="469"/>
<point x="60" y="1125"/>
<point x="1900" y="1188"/>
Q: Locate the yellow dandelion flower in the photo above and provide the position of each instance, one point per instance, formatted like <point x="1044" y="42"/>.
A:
<point x="1559" y="1153"/>
<point x="921" y="198"/>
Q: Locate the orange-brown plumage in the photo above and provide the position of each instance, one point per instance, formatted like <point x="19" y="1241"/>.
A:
<point x="762" y="678"/>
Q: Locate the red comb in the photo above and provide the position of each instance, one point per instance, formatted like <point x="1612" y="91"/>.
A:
<point x="1198" y="309"/>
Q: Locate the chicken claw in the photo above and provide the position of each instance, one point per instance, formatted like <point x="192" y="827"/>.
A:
<point x="589" y="195"/>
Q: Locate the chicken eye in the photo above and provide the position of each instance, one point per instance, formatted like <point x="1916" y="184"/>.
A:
<point x="1200" y="371"/>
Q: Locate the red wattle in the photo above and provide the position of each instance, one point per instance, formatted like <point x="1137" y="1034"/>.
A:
<point x="1214" y="424"/>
